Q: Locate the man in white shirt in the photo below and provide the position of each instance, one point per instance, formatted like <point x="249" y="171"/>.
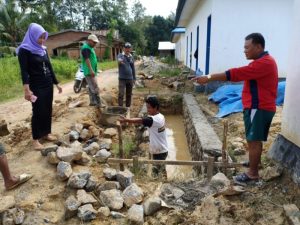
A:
<point x="155" y="122"/>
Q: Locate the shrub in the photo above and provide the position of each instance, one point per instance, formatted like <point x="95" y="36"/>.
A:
<point x="169" y="72"/>
<point x="170" y="60"/>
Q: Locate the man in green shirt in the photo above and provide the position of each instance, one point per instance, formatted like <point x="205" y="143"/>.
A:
<point x="89" y="66"/>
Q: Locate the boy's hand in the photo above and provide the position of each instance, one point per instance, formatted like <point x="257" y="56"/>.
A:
<point x="122" y="119"/>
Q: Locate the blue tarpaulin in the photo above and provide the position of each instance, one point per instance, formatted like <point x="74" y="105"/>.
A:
<point x="229" y="98"/>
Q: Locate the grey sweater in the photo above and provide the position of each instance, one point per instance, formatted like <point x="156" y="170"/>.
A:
<point x="126" y="67"/>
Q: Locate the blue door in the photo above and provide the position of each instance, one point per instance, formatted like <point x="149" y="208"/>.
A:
<point x="197" y="46"/>
<point x="191" y="50"/>
<point x="187" y="51"/>
<point x="208" y="44"/>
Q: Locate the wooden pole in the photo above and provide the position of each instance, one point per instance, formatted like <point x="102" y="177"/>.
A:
<point x="210" y="168"/>
<point x="224" y="146"/>
<point x="135" y="162"/>
<point x="170" y="162"/>
<point x="121" y="152"/>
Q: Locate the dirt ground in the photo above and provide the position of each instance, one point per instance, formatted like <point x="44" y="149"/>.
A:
<point x="43" y="197"/>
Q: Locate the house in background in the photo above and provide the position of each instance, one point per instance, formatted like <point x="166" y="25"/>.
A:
<point x="166" y="48"/>
<point x="217" y="28"/>
<point x="177" y="37"/>
<point x="68" y="43"/>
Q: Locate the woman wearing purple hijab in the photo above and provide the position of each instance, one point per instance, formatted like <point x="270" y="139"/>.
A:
<point x="38" y="79"/>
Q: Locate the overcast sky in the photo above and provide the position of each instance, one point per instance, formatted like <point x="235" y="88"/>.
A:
<point x="158" y="7"/>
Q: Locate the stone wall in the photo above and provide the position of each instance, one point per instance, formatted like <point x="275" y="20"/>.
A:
<point x="287" y="154"/>
<point x="201" y="137"/>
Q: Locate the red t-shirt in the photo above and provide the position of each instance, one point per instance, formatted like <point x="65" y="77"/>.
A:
<point x="260" y="83"/>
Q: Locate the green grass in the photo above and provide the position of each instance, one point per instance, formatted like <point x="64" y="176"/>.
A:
<point x="128" y="146"/>
<point x="10" y="78"/>
<point x="169" y="72"/>
<point x="64" y="69"/>
<point x="170" y="60"/>
<point x="106" y="65"/>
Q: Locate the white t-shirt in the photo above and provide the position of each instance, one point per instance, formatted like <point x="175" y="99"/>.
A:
<point x="157" y="133"/>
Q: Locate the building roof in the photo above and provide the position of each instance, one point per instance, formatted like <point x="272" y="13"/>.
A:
<point x="69" y="30"/>
<point x="166" y="45"/>
<point x="177" y="31"/>
<point x="184" y="11"/>
<point x="179" y="9"/>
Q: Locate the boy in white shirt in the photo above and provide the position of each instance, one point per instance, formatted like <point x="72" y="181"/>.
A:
<point x="155" y="122"/>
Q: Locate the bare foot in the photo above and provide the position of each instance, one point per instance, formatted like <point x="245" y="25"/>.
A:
<point x="15" y="182"/>
<point x="50" y="137"/>
<point x="37" y="145"/>
<point x="11" y="182"/>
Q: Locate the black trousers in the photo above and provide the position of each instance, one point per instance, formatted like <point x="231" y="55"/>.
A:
<point x="128" y="85"/>
<point x="42" y="112"/>
<point x="159" y="169"/>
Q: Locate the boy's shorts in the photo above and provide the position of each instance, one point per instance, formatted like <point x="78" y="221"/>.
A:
<point x="257" y="124"/>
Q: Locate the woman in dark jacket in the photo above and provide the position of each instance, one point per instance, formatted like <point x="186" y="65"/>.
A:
<point x="38" y="79"/>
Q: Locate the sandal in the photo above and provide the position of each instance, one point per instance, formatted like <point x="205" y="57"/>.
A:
<point x="244" y="179"/>
<point x="22" y="179"/>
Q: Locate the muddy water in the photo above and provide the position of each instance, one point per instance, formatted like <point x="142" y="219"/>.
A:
<point x="178" y="147"/>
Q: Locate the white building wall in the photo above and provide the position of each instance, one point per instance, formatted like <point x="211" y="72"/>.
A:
<point x="291" y="111"/>
<point x="198" y="18"/>
<point x="232" y="20"/>
<point x="180" y="48"/>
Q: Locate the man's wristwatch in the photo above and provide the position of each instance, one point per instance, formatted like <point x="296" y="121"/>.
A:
<point x="208" y="77"/>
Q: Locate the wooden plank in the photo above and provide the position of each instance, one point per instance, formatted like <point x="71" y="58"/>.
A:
<point x="292" y="213"/>
<point x="170" y="162"/>
<point x="210" y="168"/>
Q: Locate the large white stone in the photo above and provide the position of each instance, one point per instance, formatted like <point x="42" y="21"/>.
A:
<point x="69" y="154"/>
<point x="85" y="198"/>
<point x="112" y="199"/>
<point x="133" y="194"/>
<point x="136" y="214"/>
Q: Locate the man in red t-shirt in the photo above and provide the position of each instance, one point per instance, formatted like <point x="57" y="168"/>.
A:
<point x="258" y="97"/>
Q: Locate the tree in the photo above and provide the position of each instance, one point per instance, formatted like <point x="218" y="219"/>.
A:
<point x="106" y="11"/>
<point x="138" y="11"/>
<point x="11" y="23"/>
<point x="159" y="30"/>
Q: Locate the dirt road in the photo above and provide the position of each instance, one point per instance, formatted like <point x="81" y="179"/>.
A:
<point x="20" y="109"/>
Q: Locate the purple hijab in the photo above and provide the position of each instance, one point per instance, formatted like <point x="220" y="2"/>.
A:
<point x="30" y="40"/>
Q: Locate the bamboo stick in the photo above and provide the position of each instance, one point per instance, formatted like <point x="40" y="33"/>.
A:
<point x="121" y="152"/>
<point x="135" y="162"/>
<point x="224" y="146"/>
<point x="171" y="162"/>
<point x="210" y="167"/>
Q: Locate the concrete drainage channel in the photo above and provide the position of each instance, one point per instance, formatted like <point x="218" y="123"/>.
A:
<point x="201" y="138"/>
<point x="202" y="142"/>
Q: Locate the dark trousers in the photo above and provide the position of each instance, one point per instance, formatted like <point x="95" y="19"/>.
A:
<point x="128" y="85"/>
<point x="42" y="112"/>
<point x="159" y="169"/>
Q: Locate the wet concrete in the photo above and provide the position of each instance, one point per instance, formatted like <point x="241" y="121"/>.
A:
<point x="178" y="147"/>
